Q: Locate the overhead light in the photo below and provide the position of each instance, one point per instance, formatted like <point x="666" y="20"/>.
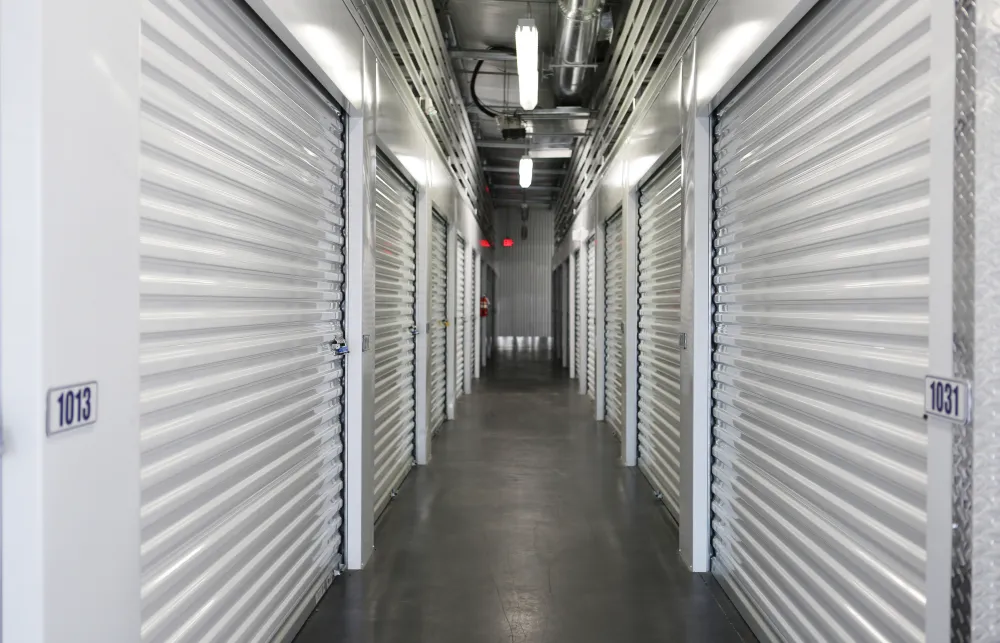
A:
<point x="551" y="153"/>
<point x="524" y="171"/>
<point x="526" y="42"/>
<point x="580" y="234"/>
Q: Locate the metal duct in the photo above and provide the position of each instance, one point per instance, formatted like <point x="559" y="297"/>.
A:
<point x="575" y="42"/>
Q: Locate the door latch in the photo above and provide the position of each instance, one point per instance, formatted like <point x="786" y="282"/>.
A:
<point x="682" y="341"/>
<point x="339" y="347"/>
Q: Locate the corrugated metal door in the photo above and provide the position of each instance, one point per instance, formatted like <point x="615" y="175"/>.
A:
<point x="614" y="325"/>
<point x="395" y="326"/>
<point x="438" y="321"/>
<point x="821" y="342"/>
<point x="460" y="299"/>
<point x="579" y="314"/>
<point x="659" y="391"/>
<point x="242" y="274"/>
<point x="472" y="312"/>
<point x="591" y="318"/>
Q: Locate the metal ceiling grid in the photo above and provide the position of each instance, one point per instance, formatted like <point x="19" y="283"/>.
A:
<point x="654" y="37"/>
<point x="412" y="49"/>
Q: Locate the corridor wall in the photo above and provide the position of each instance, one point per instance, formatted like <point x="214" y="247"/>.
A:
<point x="71" y="290"/>
<point x="751" y="306"/>
<point x="524" y="274"/>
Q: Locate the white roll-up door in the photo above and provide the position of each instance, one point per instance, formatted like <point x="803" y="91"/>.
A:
<point x="821" y="342"/>
<point x="659" y="390"/>
<point x="580" y="316"/>
<point x="395" y="323"/>
<point x="438" y="321"/>
<point x="591" y="318"/>
<point x="460" y="305"/>
<point x="472" y="312"/>
<point x="614" y="325"/>
<point x="242" y="288"/>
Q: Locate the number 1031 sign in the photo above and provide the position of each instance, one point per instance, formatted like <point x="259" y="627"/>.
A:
<point x="946" y="398"/>
<point x="71" y="407"/>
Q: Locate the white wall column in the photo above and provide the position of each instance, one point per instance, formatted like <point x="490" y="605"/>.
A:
<point x="696" y="358"/>
<point x="422" y="358"/>
<point x="452" y="315"/>
<point x="69" y="260"/>
<point x="630" y="234"/>
<point x="360" y="439"/>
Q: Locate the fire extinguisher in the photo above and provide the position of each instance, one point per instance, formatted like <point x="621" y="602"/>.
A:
<point x="484" y="306"/>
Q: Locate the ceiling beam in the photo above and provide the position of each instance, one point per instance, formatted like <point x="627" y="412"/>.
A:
<point x="482" y="54"/>
<point x="532" y="188"/>
<point x="554" y="114"/>
<point x="535" y="171"/>
<point x="519" y="145"/>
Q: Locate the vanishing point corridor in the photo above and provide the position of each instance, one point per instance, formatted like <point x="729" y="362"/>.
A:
<point x="525" y="528"/>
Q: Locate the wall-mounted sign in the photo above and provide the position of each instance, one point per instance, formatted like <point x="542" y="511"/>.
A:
<point x="70" y="407"/>
<point x="946" y="398"/>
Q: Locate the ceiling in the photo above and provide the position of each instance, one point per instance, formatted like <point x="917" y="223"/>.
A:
<point x="479" y="25"/>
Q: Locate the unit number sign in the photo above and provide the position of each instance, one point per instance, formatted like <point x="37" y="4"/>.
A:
<point x="70" y="407"/>
<point x="946" y="398"/>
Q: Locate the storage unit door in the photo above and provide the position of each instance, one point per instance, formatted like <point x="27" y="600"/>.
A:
<point x="821" y="328"/>
<point x="395" y="323"/>
<point x="659" y="390"/>
<point x="241" y="296"/>
<point x="460" y="305"/>
<point x="472" y="312"/>
<point x="614" y="325"/>
<point x="438" y="321"/>
<point x="591" y="318"/>
<point x="580" y="318"/>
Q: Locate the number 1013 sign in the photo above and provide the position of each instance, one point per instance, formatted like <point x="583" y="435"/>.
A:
<point x="71" y="407"/>
<point x="946" y="398"/>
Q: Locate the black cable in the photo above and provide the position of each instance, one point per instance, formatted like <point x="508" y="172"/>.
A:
<point x="472" y="85"/>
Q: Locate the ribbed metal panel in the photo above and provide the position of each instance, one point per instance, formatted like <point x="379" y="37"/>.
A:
<point x="472" y="312"/>
<point x="591" y="318"/>
<point x="614" y="324"/>
<point x="242" y="272"/>
<point x="579" y="314"/>
<point x="659" y="391"/>
<point x="525" y="272"/>
<point x="821" y="293"/>
<point x="438" y="321"/>
<point x="460" y="315"/>
<point x="395" y="326"/>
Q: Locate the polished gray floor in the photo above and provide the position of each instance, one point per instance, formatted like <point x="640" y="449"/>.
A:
<point x="524" y="528"/>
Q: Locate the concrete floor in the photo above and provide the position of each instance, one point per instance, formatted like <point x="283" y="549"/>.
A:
<point x="524" y="528"/>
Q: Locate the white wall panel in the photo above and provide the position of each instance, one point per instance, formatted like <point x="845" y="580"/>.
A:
<point x="524" y="275"/>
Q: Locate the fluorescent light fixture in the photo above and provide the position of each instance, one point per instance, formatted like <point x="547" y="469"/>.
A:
<point x="580" y="234"/>
<point x="526" y="42"/>
<point x="551" y="153"/>
<point x="524" y="171"/>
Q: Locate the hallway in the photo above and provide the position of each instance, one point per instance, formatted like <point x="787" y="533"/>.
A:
<point x="524" y="528"/>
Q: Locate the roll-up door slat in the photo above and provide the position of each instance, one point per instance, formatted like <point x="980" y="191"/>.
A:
<point x="460" y="317"/>
<point x="438" y="321"/>
<point x="471" y="312"/>
<point x="614" y="325"/>
<point x="592" y="318"/>
<point x="821" y="287"/>
<point x="580" y="314"/>
<point x="658" y="421"/>
<point x="241" y="294"/>
<point x="395" y="319"/>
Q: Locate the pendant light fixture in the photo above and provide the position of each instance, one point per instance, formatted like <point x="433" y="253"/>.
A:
<point x="524" y="171"/>
<point x="526" y="42"/>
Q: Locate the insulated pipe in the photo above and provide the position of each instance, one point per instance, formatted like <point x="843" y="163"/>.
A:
<point x="575" y="42"/>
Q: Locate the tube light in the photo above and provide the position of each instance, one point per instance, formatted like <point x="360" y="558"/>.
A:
<point x="524" y="171"/>
<point x="526" y="42"/>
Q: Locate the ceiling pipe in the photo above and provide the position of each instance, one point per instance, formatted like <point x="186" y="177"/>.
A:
<point x="521" y="145"/>
<point x="576" y="39"/>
